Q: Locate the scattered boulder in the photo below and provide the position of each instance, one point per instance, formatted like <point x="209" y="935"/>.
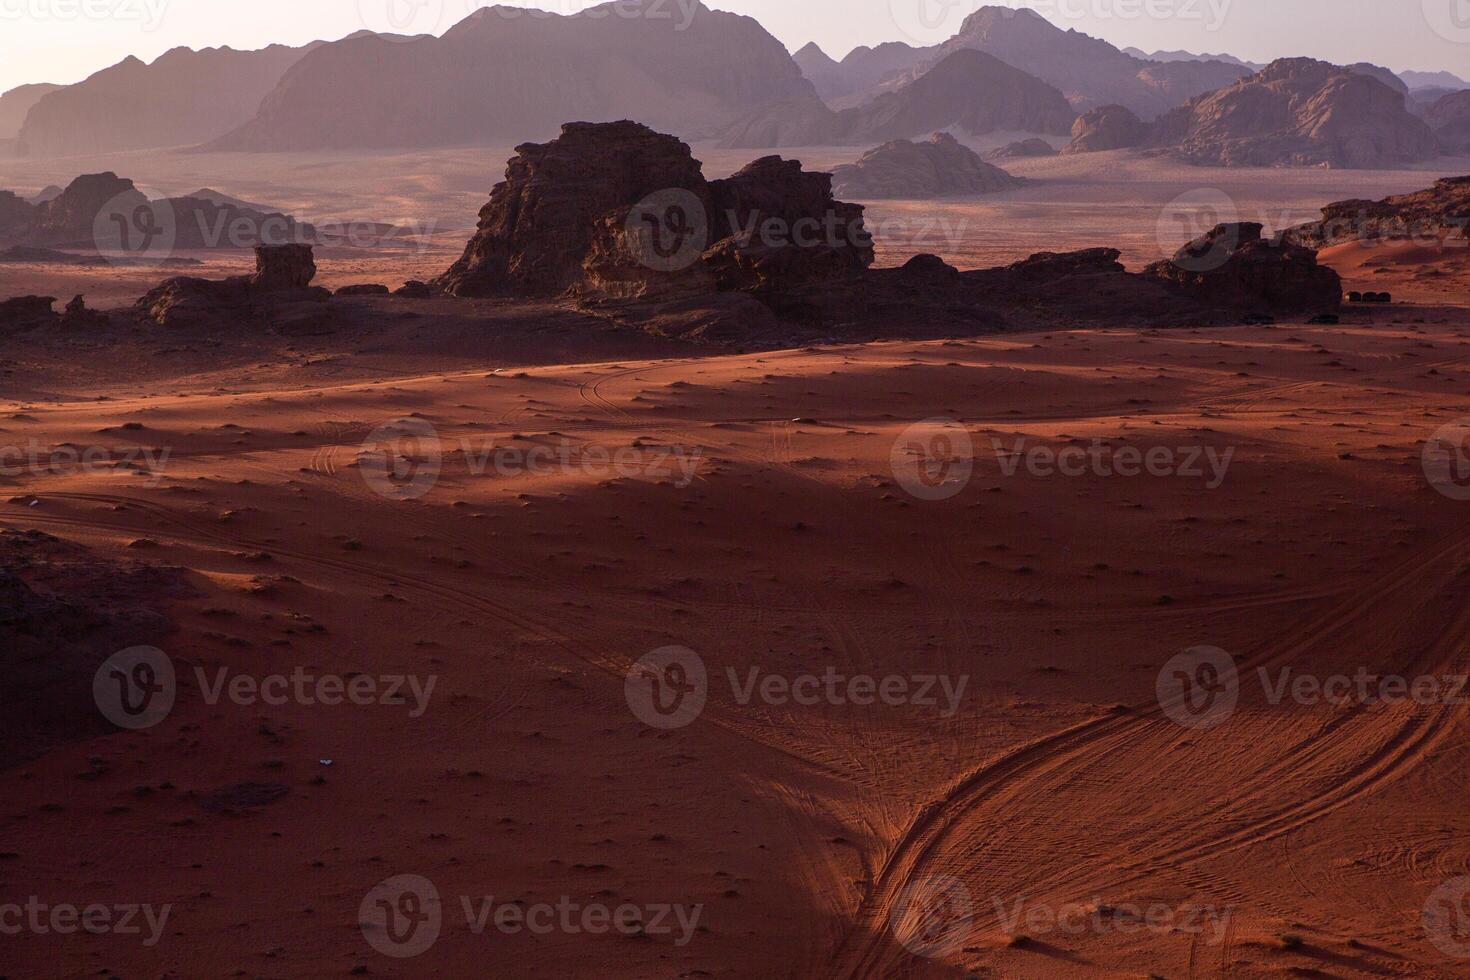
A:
<point x="363" y="289"/>
<point x="76" y="316"/>
<point x="283" y="267"/>
<point x="942" y="166"/>
<point x="1109" y="127"/>
<point x="1023" y="149"/>
<point x="1232" y="266"/>
<point x="415" y="289"/>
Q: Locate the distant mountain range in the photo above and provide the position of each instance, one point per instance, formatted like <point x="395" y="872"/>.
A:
<point x="16" y="103"/>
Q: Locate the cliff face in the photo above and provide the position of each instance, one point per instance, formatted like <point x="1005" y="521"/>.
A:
<point x="1299" y="112"/>
<point x="14" y="105"/>
<point x="970" y="91"/>
<point x="505" y="73"/>
<point x="184" y="98"/>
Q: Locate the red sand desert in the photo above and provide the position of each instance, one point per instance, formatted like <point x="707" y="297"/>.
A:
<point x="500" y="638"/>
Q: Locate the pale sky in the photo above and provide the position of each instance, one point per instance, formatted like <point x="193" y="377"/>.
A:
<point x="66" y="40"/>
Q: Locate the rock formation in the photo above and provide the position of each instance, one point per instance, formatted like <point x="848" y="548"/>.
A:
<point x="26" y="313"/>
<point x="1023" y="149"/>
<point x="279" y="295"/>
<point x="1449" y="117"/>
<point x="183" y="98"/>
<point x="939" y="167"/>
<point x="505" y="73"/>
<point x="1233" y="266"/>
<point x="968" y="91"/>
<point x="1441" y="211"/>
<point x="1298" y="112"/>
<point x="617" y="209"/>
<point x="1109" y="127"/>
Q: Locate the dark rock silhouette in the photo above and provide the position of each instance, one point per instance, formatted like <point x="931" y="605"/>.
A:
<point x="1439" y="211"/>
<point x="942" y="166"/>
<point x="278" y="295"/>
<point x="27" y="312"/>
<point x="1233" y="266"/>
<point x="620" y="210"/>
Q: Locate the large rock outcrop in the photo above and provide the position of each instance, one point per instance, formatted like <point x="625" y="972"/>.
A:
<point x="941" y="166"/>
<point x="505" y="73"/>
<point x="1233" y="267"/>
<point x="969" y="91"/>
<point x="619" y="210"/>
<point x="183" y="98"/>
<point x="1299" y="112"/>
<point x="279" y="296"/>
<point x="1438" y="212"/>
<point x="1109" y="127"/>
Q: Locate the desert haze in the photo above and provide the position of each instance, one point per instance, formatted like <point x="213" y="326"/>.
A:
<point x="614" y="493"/>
